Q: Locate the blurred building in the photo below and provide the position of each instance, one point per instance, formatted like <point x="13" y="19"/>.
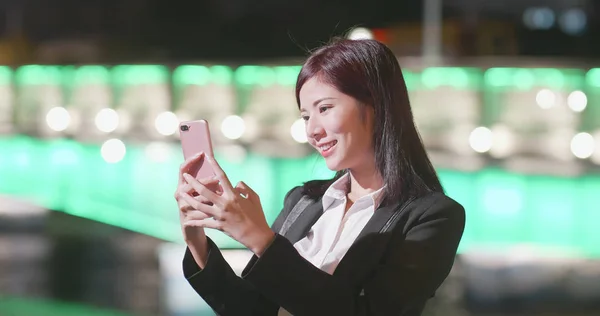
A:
<point x="459" y="38"/>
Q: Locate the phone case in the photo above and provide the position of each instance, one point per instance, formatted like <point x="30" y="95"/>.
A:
<point x="195" y="138"/>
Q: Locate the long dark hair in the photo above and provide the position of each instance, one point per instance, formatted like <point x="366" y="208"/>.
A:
<point x="368" y="71"/>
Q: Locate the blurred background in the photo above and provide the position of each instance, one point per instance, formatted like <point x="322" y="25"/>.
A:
<point x="506" y="95"/>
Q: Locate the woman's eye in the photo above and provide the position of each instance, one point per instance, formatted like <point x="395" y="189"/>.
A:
<point x="323" y="109"/>
<point x="304" y="117"/>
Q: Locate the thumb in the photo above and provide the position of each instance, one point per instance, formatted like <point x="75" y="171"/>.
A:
<point x="244" y="189"/>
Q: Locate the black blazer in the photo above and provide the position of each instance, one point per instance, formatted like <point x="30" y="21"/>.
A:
<point x="391" y="273"/>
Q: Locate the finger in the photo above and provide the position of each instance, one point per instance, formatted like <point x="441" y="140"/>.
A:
<point x="188" y="189"/>
<point x="196" y="215"/>
<point x="241" y="192"/>
<point x="247" y="192"/>
<point x="185" y="187"/>
<point x="210" y="182"/>
<point x="188" y="164"/>
<point x="202" y="190"/>
<point x="204" y="223"/>
<point x="239" y="189"/>
<point x="186" y="207"/>
<point x="203" y="199"/>
<point x="213" y="184"/>
<point x="191" y="191"/>
<point x="220" y="175"/>
<point x="209" y="210"/>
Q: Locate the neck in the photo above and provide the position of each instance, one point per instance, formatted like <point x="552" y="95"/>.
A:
<point x="364" y="181"/>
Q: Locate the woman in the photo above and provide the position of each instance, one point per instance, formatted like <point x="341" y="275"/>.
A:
<point x="377" y="239"/>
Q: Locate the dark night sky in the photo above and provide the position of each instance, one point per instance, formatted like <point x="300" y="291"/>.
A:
<point x="268" y="28"/>
<point x="244" y="28"/>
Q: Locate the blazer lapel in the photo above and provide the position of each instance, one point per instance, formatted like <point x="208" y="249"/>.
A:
<point x="305" y="221"/>
<point x="368" y="247"/>
<point x="378" y="220"/>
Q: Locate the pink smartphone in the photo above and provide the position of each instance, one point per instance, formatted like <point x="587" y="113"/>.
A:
<point x="195" y="138"/>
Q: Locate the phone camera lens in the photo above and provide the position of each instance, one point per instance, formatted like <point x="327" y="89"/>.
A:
<point x="185" y="128"/>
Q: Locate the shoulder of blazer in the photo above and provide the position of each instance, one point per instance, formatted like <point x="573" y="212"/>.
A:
<point x="434" y="203"/>
<point x="431" y="206"/>
<point x="292" y="197"/>
<point x="438" y="201"/>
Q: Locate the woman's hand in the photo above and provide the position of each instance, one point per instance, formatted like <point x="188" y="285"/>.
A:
<point x="237" y="211"/>
<point x="193" y="235"/>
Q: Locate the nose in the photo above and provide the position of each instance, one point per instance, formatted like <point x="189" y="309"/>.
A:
<point x="314" y="129"/>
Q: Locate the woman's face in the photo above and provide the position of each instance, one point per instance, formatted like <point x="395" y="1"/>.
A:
<point x="336" y="126"/>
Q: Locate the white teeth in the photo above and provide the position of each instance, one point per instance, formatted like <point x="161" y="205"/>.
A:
<point x="327" y="146"/>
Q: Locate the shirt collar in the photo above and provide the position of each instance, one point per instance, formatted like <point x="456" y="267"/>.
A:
<point x="337" y="192"/>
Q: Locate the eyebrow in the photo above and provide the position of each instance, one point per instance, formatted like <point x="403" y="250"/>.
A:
<point x="318" y="101"/>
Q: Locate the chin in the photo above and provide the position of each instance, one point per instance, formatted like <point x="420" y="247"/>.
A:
<point x="334" y="165"/>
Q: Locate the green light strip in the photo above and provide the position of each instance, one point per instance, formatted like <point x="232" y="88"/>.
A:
<point x="6" y="75"/>
<point x="139" y="74"/>
<point x="429" y="78"/>
<point x="26" y="307"/>
<point x="455" y="77"/>
<point x="91" y="74"/>
<point x="593" y="77"/>
<point x="266" y="76"/>
<point x="39" y="75"/>
<point x="528" y="78"/>
<point x="202" y="75"/>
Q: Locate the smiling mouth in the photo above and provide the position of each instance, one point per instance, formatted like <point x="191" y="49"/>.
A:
<point x="327" y="147"/>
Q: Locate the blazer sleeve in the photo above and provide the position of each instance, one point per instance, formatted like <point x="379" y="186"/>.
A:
<point x="417" y="263"/>
<point x="221" y="288"/>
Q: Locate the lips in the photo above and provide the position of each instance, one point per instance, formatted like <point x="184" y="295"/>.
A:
<point x="327" y="148"/>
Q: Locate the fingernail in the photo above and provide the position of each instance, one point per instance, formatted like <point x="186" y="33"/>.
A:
<point x="187" y="175"/>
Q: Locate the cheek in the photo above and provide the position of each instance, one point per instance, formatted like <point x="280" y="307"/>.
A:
<point x="338" y="126"/>
<point x="362" y="136"/>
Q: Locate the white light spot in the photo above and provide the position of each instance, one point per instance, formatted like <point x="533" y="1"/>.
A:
<point x="166" y="123"/>
<point x="58" y="119"/>
<point x="113" y="150"/>
<point x="298" y="131"/>
<point x="577" y="101"/>
<point x="107" y="120"/>
<point x="545" y="99"/>
<point x="481" y="139"/>
<point x="360" y="33"/>
<point x="233" y="127"/>
<point x="582" y="145"/>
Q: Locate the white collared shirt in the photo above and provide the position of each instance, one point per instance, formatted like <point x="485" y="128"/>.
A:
<point x="336" y="230"/>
